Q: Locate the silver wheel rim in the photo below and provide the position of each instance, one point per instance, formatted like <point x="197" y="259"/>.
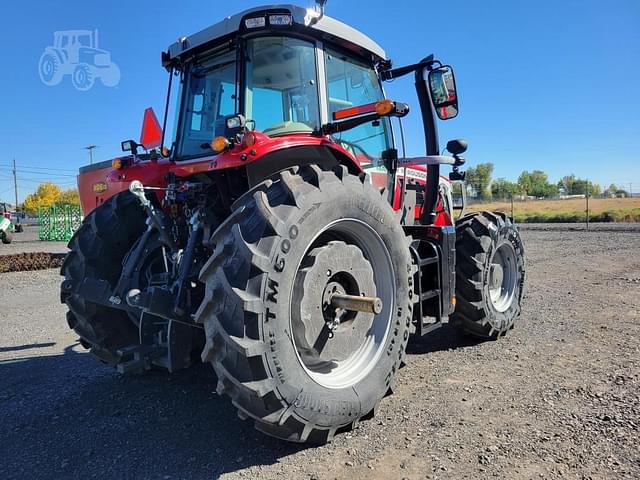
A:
<point x="503" y="277"/>
<point x="367" y="348"/>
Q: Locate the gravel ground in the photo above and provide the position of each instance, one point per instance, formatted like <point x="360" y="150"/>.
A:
<point x="559" y="397"/>
<point x="27" y="242"/>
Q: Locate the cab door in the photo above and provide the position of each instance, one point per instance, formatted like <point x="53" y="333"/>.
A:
<point x="352" y="82"/>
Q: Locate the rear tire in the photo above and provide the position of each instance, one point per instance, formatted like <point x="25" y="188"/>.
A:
<point x="49" y="68"/>
<point x="7" y="238"/>
<point x="97" y="250"/>
<point x="490" y="274"/>
<point x="256" y="323"/>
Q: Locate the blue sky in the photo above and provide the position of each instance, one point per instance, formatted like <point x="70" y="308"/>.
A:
<point x="543" y="85"/>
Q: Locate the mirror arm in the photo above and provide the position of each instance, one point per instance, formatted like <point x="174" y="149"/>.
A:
<point x="391" y="74"/>
<point x="431" y="141"/>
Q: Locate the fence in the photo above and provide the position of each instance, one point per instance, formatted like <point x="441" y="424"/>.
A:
<point x="58" y="222"/>
<point x="567" y="210"/>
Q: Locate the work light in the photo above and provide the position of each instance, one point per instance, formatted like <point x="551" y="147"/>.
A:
<point x="257" y="22"/>
<point x="279" y="20"/>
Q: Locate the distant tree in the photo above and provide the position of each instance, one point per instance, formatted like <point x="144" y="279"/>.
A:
<point x="479" y="179"/>
<point x="70" y="197"/>
<point x="524" y="182"/>
<point x="595" y="189"/>
<point x="537" y="184"/>
<point x="581" y="185"/>
<point x="567" y="184"/>
<point x="47" y="194"/>
<point x="502" y="188"/>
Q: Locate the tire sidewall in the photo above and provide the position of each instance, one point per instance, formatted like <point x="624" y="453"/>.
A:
<point x="506" y="234"/>
<point x="310" y="400"/>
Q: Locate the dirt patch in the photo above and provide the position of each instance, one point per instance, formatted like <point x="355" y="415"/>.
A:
<point x="30" y="261"/>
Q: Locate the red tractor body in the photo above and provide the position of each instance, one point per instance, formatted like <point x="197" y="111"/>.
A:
<point x="279" y="235"/>
<point x="99" y="182"/>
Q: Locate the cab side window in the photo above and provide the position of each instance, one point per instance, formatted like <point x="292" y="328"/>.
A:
<point x="351" y="83"/>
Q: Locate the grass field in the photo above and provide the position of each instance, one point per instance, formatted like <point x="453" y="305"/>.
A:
<point x="567" y="211"/>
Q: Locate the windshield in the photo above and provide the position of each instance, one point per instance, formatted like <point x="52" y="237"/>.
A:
<point x="84" y="40"/>
<point x="280" y="93"/>
<point x="210" y="96"/>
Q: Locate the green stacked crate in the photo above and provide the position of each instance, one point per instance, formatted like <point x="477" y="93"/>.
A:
<point x="58" y="222"/>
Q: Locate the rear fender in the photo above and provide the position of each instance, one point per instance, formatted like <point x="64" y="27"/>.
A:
<point x="276" y="161"/>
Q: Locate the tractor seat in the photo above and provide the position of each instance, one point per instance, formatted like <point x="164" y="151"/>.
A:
<point x="287" y="127"/>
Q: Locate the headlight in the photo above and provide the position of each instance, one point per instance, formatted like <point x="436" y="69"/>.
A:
<point x="280" y="20"/>
<point x="257" y="22"/>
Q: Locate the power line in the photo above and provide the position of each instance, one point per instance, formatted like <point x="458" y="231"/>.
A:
<point x="36" y="167"/>
<point x="45" y="173"/>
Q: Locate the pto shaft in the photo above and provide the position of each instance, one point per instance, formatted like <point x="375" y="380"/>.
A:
<point x="356" y="303"/>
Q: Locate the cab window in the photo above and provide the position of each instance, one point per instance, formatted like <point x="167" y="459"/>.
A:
<point x="281" y="93"/>
<point x="210" y="96"/>
<point x="351" y="82"/>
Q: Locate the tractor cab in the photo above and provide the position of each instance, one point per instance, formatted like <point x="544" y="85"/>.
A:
<point x="287" y="71"/>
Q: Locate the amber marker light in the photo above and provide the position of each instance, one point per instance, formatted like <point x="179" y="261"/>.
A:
<point x="220" y="144"/>
<point x="116" y="163"/>
<point x="385" y="107"/>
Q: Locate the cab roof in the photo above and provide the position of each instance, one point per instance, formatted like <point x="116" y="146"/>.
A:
<point x="326" y="28"/>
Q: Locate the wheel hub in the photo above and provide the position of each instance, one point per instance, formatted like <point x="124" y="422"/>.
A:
<point x="495" y="276"/>
<point x="333" y="333"/>
<point x="502" y="277"/>
<point x="344" y="281"/>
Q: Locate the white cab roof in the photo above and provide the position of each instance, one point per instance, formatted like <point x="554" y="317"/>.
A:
<point x="326" y="27"/>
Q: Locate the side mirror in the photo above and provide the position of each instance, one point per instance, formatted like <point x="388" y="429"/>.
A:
<point x="442" y="86"/>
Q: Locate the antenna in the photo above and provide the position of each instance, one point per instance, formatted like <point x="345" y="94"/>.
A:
<point x="320" y="8"/>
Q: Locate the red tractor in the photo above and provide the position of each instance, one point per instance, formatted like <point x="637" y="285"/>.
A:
<point x="279" y="235"/>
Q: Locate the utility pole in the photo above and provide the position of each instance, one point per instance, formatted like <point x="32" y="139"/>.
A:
<point x="90" y="148"/>
<point x="15" y="182"/>
<point x="630" y="192"/>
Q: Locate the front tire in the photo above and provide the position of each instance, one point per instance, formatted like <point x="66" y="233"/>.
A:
<point x="288" y="242"/>
<point x="83" y="77"/>
<point x="490" y="274"/>
<point x="97" y="250"/>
